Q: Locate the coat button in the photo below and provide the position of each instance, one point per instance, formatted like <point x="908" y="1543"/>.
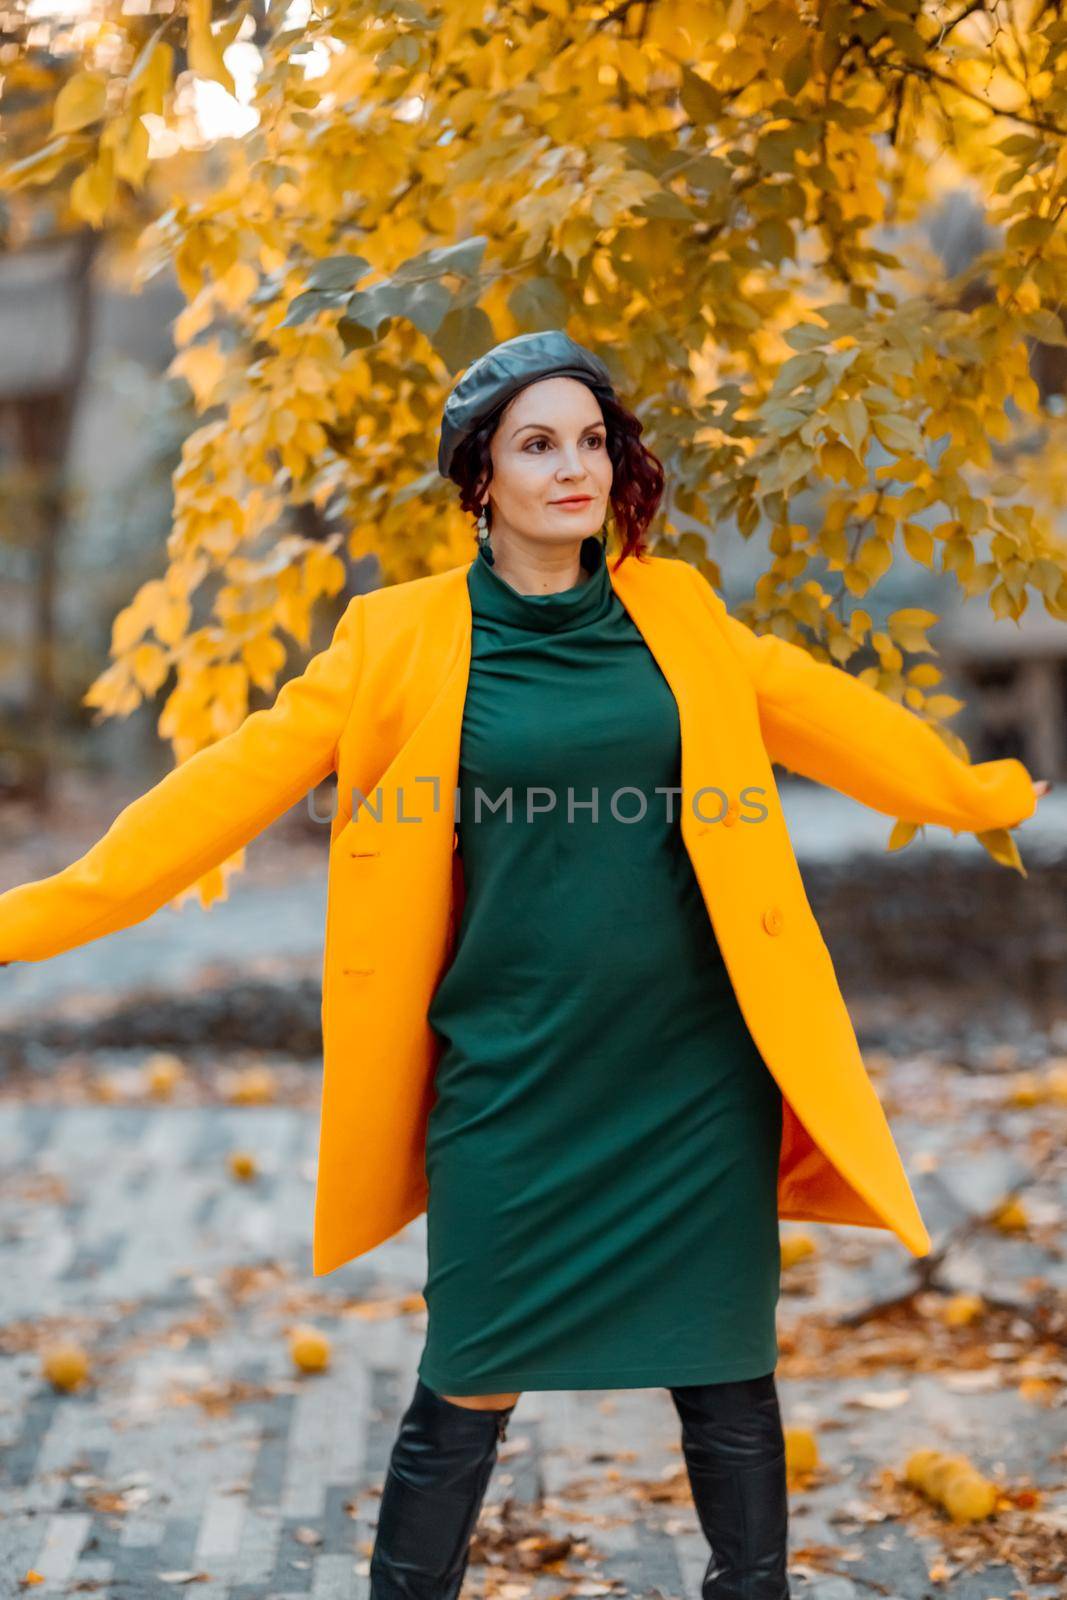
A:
<point x="731" y="814"/>
<point x="772" y="919"/>
<point x="455" y="839"/>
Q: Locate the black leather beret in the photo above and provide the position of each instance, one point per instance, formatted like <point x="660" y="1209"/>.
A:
<point x="506" y="369"/>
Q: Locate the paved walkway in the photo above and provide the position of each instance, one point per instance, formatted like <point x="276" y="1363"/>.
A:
<point x="196" y="1457"/>
<point x="197" y="1454"/>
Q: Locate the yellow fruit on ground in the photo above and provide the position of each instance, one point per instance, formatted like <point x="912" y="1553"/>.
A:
<point x="243" y="1165"/>
<point x="969" y="1497"/>
<point x="919" y="1463"/>
<point x="1027" y="1089"/>
<point x="795" y="1247"/>
<point x="940" y="1471"/>
<point x="254" y="1086"/>
<point x="1042" y="1390"/>
<point x="801" y="1451"/>
<point x="962" y="1309"/>
<point x="65" y="1365"/>
<point x="309" y="1349"/>
<point x="162" y="1074"/>
<point x="1056" y="1081"/>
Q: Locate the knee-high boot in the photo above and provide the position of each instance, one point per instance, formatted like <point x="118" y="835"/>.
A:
<point x="734" y="1452"/>
<point x="434" y="1487"/>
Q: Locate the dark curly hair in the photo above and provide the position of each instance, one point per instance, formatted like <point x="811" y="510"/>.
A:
<point x="637" y="480"/>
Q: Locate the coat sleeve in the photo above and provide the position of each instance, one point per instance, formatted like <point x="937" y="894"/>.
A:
<point x="820" y="721"/>
<point x="199" y="814"/>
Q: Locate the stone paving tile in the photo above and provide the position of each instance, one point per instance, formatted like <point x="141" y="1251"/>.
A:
<point x="277" y="1497"/>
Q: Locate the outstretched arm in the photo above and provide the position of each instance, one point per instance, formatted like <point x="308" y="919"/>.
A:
<point x="821" y="721"/>
<point x="198" y="815"/>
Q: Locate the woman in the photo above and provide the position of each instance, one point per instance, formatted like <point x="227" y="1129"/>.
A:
<point x="603" y="1147"/>
<point x="579" y="1236"/>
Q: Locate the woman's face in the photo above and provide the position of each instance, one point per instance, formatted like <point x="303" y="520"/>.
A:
<point x="551" y="469"/>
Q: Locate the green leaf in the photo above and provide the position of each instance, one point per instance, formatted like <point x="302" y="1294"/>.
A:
<point x="337" y="272"/>
<point x="775" y="239"/>
<point x="796" y="73"/>
<point x="537" y="304"/>
<point x="807" y="335"/>
<point x="464" y="335"/>
<point x="372" y="307"/>
<point x="702" y="103"/>
<point x="303" y="306"/>
<point x="464" y="258"/>
<point x="426" y="304"/>
<point x="664" y="204"/>
<point x="707" y="173"/>
<point x="355" y="335"/>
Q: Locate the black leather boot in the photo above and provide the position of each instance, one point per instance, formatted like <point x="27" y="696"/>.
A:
<point x="437" y="1477"/>
<point x="734" y="1452"/>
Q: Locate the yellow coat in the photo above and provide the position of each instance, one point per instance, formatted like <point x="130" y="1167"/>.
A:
<point x="383" y="705"/>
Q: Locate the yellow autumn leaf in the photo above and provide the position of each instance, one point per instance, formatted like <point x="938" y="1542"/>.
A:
<point x="324" y="572"/>
<point x="264" y="656"/>
<point x="1002" y="847"/>
<point x="1010" y="1216"/>
<point x="943" y="705"/>
<point x="79" y="102"/>
<point x="902" y="833"/>
<point x="170" y="620"/>
<point x="149" y="665"/>
<point x="205" y="56"/>
<point x="152" y="85"/>
<point x="960" y="1310"/>
<point x="92" y="191"/>
<point x="131" y="155"/>
<point x="203" y="366"/>
<point x="908" y="627"/>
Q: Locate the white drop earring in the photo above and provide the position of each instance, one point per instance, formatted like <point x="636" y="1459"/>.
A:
<point x="482" y="528"/>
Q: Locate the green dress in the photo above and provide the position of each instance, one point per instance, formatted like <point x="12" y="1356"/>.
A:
<point x="602" y="1148"/>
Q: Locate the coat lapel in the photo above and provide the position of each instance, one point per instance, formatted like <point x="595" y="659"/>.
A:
<point x="689" y="659"/>
<point x="694" y="662"/>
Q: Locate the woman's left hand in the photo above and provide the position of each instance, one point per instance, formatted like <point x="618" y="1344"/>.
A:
<point x="1042" y="786"/>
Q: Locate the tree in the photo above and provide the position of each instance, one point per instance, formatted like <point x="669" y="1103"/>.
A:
<point x="723" y="199"/>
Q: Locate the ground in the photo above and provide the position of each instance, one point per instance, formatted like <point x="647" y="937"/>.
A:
<point x="196" y="1454"/>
